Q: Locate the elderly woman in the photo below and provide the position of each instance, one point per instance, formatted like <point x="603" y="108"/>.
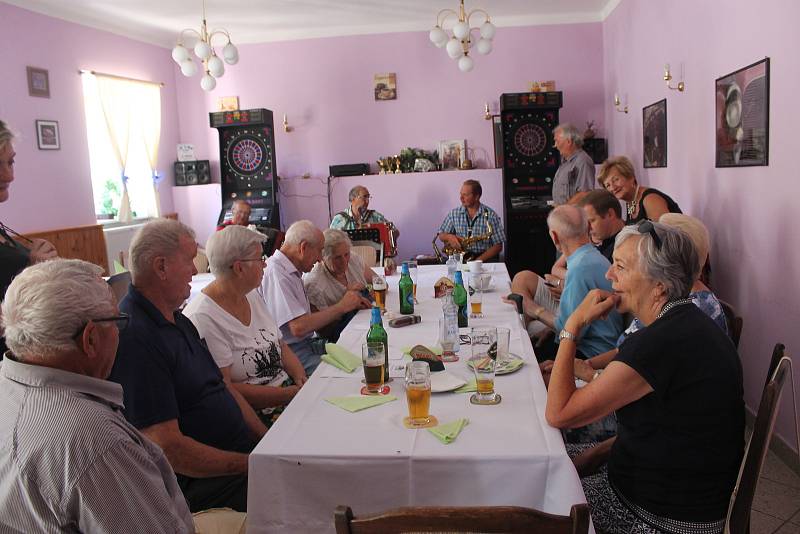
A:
<point x="242" y="337"/>
<point x="618" y="177"/>
<point x="676" y="387"/>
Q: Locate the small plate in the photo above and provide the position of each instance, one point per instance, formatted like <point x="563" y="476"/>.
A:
<point x="444" y="381"/>
<point x="510" y="365"/>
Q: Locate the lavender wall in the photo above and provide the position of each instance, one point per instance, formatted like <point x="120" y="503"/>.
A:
<point x="58" y="182"/>
<point x="749" y="211"/>
<point x="325" y="88"/>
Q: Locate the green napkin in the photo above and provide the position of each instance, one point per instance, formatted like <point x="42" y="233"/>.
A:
<point x="341" y="358"/>
<point x="469" y="387"/>
<point x="510" y="365"/>
<point x="448" y="433"/>
<point x="436" y="349"/>
<point x="118" y="267"/>
<point x="356" y="403"/>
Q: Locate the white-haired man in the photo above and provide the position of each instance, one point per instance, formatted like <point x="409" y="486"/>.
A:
<point x="69" y="461"/>
<point x="286" y="298"/>
<point x="575" y="176"/>
<point x="174" y="392"/>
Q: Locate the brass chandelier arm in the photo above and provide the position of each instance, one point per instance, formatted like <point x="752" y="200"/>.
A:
<point x="447" y="13"/>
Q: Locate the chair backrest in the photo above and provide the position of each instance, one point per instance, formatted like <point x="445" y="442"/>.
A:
<point x="508" y="519"/>
<point x="119" y="284"/>
<point x="369" y="251"/>
<point x="734" y="322"/>
<point x="777" y="356"/>
<point x="738" y="520"/>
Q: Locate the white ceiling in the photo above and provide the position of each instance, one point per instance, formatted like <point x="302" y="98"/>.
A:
<point x="255" y="21"/>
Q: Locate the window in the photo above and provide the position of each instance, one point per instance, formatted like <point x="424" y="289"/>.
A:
<point x="123" y="123"/>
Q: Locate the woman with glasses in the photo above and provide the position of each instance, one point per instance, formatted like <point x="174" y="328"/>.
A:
<point x="676" y="388"/>
<point x="242" y="337"/>
<point x="643" y="203"/>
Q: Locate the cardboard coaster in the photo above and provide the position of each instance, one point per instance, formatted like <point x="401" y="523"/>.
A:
<point x="383" y="391"/>
<point x="475" y="400"/>
<point x="385" y="380"/>
<point x="431" y="423"/>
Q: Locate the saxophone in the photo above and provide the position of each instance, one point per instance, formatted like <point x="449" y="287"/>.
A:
<point x="463" y="243"/>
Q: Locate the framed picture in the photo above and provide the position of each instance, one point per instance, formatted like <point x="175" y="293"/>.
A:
<point x="654" y="134"/>
<point x="452" y="153"/>
<point x="742" y="116"/>
<point x="38" y="82"/>
<point x="47" y="135"/>
<point x="228" y="103"/>
<point x="385" y="86"/>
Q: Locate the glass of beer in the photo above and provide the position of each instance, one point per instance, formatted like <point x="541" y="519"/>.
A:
<point x="413" y="271"/>
<point x="476" y="303"/>
<point x="418" y="394"/>
<point x="483" y="363"/>
<point x="374" y="360"/>
<point x="379" y="288"/>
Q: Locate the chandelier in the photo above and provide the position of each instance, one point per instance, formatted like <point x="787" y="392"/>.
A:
<point x="204" y="50"/>
<point x="458" y="46"/>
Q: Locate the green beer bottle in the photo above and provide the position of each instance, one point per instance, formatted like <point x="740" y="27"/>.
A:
<point x="377" y="334"/>
<point x="460" y="298"/>
<point x="406" y="292"/>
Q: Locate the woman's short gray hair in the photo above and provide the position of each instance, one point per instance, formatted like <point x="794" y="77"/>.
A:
<point x="48" y="303"/>
<point x="161" y="237"/>
<point x="568" y="131"/>
<point x="300" y="231"/>
<point x="6" y="135"/>
<point x="232" y="243"/>
<point x="334" y="238"/>
<point x="674" y="264"/>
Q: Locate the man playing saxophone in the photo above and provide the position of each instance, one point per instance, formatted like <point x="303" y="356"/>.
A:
<point x="473" y="228"/>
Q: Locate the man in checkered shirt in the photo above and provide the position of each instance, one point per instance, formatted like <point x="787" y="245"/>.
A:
<point x="472" y="219"/>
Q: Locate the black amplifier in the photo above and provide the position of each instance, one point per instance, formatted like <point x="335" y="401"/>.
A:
<point x="349" y="169"/>
<point x="192" y="172"/>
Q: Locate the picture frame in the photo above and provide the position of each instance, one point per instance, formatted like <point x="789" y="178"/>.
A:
<point x="385" y="86"/>
<point x="47" y="135"/>
<point x="452" y="153"/>
<point x="654" y="134"/>
<point x="228" y="103"/>
<point x="742" y="116"/>
<point x="38" y="82"/>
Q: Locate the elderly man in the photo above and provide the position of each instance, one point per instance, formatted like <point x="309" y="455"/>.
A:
<point x="174" y="392"/>
<point x="69" y="461"/>
<point x="587" y="268"/>
<point x="286" y="298"/>
<point x="473" y="219"/>
<point x="240" y="214"/>
<point x="575" y="175"/>
<point x="358" y="214"/>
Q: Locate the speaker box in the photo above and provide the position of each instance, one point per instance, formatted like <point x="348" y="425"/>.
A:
<point x="192" y="172"/>
<point x="349" y="169"/>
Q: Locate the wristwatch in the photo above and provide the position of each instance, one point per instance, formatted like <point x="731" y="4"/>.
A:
<point x="567" y="335"/>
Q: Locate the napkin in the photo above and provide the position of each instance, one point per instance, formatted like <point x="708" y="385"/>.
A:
<point x="355" y="403"/>
<point x="341" y="358"/>
<point x="448" y="433"/>
<point x="510" y="365"/>
<point x="469" y="387"/>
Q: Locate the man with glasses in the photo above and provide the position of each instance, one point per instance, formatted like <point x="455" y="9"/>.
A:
<point x="358" y="214"/>
<point x="240" y="214"/>
<point x="68" y="458"/>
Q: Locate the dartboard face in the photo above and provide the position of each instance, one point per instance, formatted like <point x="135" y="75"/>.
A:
<point x="528" y="139"/>
<point x="248" y="157"/>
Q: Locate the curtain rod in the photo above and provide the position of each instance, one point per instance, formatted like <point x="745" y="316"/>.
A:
<point x="83" y="71"/>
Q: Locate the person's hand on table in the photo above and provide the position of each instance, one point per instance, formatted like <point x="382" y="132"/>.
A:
<point x="42" y="250"/>
<point x="352" y="300"/>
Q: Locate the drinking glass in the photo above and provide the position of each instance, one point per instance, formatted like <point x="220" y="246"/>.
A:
<point x="413" y="271"/>
<point x="503" y="340"/>
<point x="379" y="288"/>
<point x="374" y="360"/>
<point x="418" y="394"/>
<point x="476" y="303"/>
<point x="448" y="340"/>
<point x="482" y="361"/>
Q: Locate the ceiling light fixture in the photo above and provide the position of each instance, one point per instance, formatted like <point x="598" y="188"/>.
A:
<point x="458" y="46"/>
<point x="204" y="50"/>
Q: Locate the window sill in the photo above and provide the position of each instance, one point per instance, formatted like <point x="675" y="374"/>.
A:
<point x="109" y="224"/>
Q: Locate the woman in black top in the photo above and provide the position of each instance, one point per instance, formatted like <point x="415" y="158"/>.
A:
<point x="643" y="203"/>
<point x="676" y="387"/>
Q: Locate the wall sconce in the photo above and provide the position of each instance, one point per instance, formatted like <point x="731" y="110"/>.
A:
<point x="487" y="115"/>
<point x="667" y="77"/>
<point x="617" y="104"/>
<point x="286" y="127"/>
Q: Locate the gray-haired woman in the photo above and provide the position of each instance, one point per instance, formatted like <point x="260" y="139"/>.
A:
<point x="241" y="335"/>
<point x="676" y="387"/>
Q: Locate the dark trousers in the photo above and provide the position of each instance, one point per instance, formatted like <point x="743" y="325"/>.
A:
<point x="215" y="492"/>
<point x="548" y="348"/>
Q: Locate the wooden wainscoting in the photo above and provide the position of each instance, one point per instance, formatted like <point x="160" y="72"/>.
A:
<point x="82" y="242"/>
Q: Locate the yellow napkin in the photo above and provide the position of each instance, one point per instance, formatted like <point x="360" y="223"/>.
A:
<point x="448" y="433"/>
<point x="469" y="387"/>
<point x="360" y="402"/>
<point x="341" y="358"/>
<point x="437" y="350"/>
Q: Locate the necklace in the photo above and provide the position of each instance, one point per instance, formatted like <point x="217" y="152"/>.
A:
<point x="673" y="304"/>
<point x="633" y="204"/>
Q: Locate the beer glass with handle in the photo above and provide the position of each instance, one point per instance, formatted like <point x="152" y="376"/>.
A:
<point x="418" y="394"/>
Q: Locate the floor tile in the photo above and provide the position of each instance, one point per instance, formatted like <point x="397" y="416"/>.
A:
<point x="763" y="523"/>
<point x="777" y="471"/>
<point x="777" y="500"/>
<point x="788" y="528"/>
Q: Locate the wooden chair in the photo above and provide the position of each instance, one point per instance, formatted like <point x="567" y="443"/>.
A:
<point x="369" y="251"/>
<point x="738" y="518"/>
<point x="507" y="519"/>
<point x="733" y="321"/>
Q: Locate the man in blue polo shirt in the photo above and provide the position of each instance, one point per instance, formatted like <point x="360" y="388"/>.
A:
<point x="174" y="392"/>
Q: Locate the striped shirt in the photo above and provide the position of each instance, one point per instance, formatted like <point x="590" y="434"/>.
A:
<point x="70" y="462"/>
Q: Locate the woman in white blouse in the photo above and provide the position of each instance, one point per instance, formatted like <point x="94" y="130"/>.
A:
<point x="231" y="316"/>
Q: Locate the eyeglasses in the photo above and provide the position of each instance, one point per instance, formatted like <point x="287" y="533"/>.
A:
<point x="365" y="197"/>
<point x="647" y="227"/>
<point x="120" y="321"/>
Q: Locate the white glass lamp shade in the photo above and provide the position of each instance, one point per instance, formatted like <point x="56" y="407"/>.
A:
<point x="484" y="46"/>
<point x="466" y="64"/>
<point x="438" y="37"/>
<point x="208" y="83"/>
<point x="188" y="68"/>
<point x="461" y="30"/>
<point x="179" y="54"/>
<point x="202" y="50"/>
<point x="231" y="54"/>
<point x="487" y="30"/>
<point x="454" y="49"/>
<point x="216" y="67"/>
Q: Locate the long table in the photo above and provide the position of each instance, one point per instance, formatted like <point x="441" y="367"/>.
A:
<point x="318" y="456"/>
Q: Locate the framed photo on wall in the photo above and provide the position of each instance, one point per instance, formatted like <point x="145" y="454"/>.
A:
<point x="385" y="85"/>
<point x="38" y="82"/>
<point x="452" y="153"/>
<point x="47" y="135"/>
<point x="742" y="116"/>
<point x="654" y="134"/>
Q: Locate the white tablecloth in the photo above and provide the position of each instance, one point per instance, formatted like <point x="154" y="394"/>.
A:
<point x="318" y="456"/>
